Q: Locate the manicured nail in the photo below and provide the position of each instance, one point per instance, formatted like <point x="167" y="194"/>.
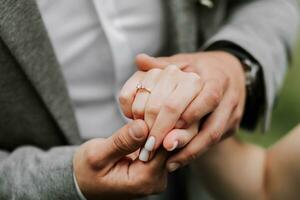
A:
<point x="144" y="155"/>
<point x="180" y="124"/>
<point x="173" y="167"/>
<point x="150" y="143"/>
<point x="175" y="144"/>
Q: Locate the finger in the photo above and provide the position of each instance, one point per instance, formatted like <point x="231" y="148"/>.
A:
<point x="141" y="97"/>
<point x="238" y="113"/>
<point x="145" y="62"/>
<point x="236" y="116"/>
<point x="178" y="138"/>
<point x="175" y="104"/>
<point x="206" y="102"/>
<point x="234" y="123"/>
<point x="128" y="92"/>
<point x="125" y="141"/>
<point x="164" y="87"/>
<point x="212" y="131"/>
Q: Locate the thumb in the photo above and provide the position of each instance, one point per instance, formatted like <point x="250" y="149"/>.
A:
<point x="126" y="140"/>
<point x="145" y="62"/>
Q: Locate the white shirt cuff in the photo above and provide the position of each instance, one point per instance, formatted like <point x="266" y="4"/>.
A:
<point x="81" y="196"/>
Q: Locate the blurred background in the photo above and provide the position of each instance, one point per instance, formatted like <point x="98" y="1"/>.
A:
<point x="286" y="113"/>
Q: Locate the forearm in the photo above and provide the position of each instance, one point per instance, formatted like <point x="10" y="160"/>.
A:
<point x="283" y="167"/>
<point x="233" y="170"/>
<point x="30" y="173"/>
<point x="236" y="170"/>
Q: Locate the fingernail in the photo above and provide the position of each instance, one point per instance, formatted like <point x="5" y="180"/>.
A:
<point x="175" y="144"/>
<point x="173" y="167"/>
<point x="150" y="143"/>
<point x="144" y="155"/>
<point x="180" y="123"/>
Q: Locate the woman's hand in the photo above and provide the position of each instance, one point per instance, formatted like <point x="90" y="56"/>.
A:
<point x="165" y="94"/>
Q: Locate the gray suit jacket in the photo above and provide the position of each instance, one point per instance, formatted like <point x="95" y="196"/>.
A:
<point x="38" y="131"/>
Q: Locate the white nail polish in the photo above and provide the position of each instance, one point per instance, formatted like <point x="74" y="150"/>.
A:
<point x="173" y="166"/>
<point x="175" y="144"/>
<point x="150" y="143"/>
<point x="144" y="155"/>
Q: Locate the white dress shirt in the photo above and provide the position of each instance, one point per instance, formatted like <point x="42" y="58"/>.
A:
<point x="96" y="42"/>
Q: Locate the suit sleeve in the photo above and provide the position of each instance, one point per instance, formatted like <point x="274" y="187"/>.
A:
<point x="28" y="173"/>
<point x="266" y="29"/>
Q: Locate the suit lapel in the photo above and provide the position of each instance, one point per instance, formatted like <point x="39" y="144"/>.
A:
<point x="22" y="29"/>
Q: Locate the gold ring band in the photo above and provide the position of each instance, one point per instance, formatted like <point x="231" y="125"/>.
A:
<point x="142" y="88"/>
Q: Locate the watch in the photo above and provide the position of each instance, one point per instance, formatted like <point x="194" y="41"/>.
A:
<point x="251" y="69"/>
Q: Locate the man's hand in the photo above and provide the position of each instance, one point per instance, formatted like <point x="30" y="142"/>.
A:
<point x="107" y="168"/>
<point x="220" y="104"/>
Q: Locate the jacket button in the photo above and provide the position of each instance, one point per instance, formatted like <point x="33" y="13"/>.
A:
<point x="207" y="3"/>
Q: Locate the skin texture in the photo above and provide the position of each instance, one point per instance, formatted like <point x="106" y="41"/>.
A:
<point x="207" y="87"/>
<point x="108" y="168"/>
<point x="237" y="170"/>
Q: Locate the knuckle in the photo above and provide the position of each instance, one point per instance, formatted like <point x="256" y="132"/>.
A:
<point x="138" y="112"/>
<point x="188" y="115"/>
<point x="214" y="137"/>
<point x="155" y="71"/>
<point x="172" y="68"/>
<point x="171" y="107"/>
<point x="195" y="114"/>
<point x="213" y="97"/>
<point x="195" y="80"/>
<point x="122" y="143"/>
<point x="124" y="98"/>
<point x="194" y="76"/>
<point x="153" y="109"/>
<point x="191" y="115"/>
<point x="234" y="100"/>
<point x="191" y="156"/>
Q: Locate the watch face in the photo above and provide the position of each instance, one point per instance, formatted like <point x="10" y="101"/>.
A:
<point x="251" y="72"/>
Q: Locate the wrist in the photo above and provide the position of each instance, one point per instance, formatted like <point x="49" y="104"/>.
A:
<point x="228" y="58"/>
